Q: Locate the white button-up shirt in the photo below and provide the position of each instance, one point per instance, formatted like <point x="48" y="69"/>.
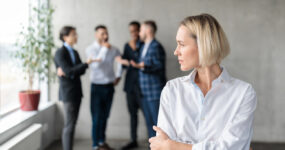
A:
<point x="221" y="120"/>
<point x="103" y="72"/>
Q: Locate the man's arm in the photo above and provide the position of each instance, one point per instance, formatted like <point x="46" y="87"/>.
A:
<point x="119" y="70"/>
<point x="156" y="61"/>
<point x="124" y="60"/>
<point x="81" y="69"/>
<point x="69" y="70"/>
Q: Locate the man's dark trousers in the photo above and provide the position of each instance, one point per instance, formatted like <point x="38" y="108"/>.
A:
<point x="101" y="102"/>
<point x="133" y="101"/>
<point x="71" y="111"/>
<point x="150" y="110"/>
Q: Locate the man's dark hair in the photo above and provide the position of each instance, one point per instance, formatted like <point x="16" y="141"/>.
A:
<point x="100" y="27"/>
<point x="135" y="23"/>
<point x="65" y="31"/>
<point x="152" y="24"/>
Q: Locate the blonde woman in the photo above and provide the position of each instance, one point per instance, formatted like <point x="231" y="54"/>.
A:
<point x="208" y="109"/>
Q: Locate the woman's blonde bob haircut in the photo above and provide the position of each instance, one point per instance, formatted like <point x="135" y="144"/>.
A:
<point x="213" y="45"/>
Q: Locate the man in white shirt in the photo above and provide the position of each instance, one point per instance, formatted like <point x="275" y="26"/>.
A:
<point x="103" y="79"/>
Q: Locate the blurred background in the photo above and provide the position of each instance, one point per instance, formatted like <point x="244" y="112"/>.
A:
<point x="255" y="29"/>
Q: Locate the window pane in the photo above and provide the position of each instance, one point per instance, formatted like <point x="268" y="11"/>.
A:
<point x="14" y="15"/>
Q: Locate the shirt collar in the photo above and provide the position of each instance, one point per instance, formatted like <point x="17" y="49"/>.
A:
<point x="224" y="76"/>
<point x="96" y="44"/>
<point x="68" y="46"/>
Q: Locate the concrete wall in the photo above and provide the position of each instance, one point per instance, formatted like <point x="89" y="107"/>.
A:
<point x="256" y="33"/>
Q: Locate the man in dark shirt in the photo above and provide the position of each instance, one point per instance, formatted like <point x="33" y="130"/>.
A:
<point x="152" y="76"/>
<point x="131" y="87"/>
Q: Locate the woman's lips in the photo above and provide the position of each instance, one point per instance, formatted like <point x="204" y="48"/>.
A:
<point x="180" y="61"/>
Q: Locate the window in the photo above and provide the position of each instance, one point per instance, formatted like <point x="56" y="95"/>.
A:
<point x="14" y="15"/>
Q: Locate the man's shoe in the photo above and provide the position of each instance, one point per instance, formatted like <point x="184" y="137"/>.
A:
<point x="130" y="145"/>
<point x="105" y="146"/>
<point x="95" y="148"/>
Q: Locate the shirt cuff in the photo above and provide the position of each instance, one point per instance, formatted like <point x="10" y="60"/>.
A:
<point x="118" y="75"/>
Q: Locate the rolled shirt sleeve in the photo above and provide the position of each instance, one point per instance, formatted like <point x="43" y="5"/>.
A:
<point x="119" y="69"/>
<point x="164" y="118"/>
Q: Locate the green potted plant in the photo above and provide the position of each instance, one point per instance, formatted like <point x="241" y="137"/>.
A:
<point x="34" y="54"/>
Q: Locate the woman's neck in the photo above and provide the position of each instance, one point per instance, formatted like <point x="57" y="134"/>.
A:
<point x="206" y="75"/>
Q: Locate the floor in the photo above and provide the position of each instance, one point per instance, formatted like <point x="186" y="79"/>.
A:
<point x="117" y="144"/>
<point x="86" y="145"/>
<point x="268" y="146"/>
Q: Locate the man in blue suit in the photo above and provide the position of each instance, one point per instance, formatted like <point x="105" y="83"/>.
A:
<point x="151" y="73"/>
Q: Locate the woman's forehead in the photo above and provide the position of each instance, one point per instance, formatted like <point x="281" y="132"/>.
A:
<point x="182" y="34"/>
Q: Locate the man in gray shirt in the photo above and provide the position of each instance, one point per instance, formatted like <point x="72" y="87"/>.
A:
<point x="103" y="79"/>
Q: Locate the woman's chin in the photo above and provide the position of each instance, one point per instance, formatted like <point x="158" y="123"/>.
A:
<point x="183" y="68"/>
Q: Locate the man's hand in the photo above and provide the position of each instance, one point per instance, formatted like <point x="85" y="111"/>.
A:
<point x="97" y="60"/>
<point x="116" y="81"/>
<point x="122" y="61"/>
<point x="60" y="72"/>
<point x="106" y="44"/>
<point x="137" y="65"/>
<point x="161" y="141"/>
<point x="90" y="60"/>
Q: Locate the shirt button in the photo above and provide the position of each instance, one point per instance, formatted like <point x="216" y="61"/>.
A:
<point x="203" y="118"/>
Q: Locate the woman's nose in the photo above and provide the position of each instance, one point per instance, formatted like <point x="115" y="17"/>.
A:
<point x="176" y="52"/>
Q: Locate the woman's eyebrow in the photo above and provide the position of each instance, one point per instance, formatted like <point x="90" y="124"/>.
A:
<point x="179" y="41"/>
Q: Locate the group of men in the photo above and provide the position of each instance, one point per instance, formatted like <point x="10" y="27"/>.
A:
<point x="143" y="59"/>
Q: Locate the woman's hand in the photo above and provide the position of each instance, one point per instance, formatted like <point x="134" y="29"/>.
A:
<point x="161" y="141"/>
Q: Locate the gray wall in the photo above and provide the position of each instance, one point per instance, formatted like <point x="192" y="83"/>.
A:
<point x="255" y="29"/>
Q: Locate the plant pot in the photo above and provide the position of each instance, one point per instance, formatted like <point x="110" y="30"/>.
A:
<point x="29" y="100"/>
